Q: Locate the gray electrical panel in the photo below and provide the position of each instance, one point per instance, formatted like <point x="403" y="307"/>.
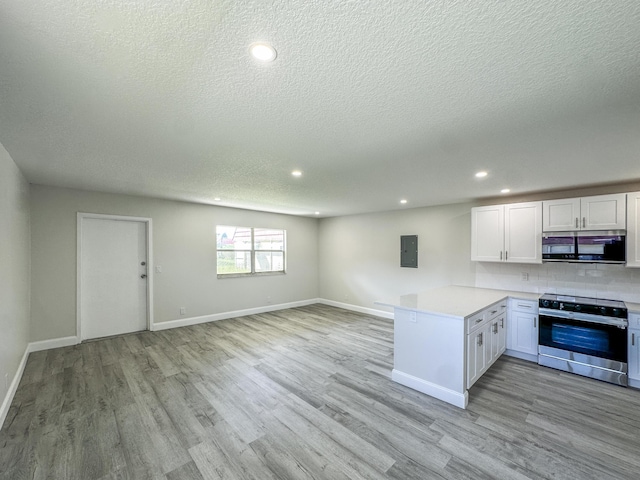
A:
<point x="409" y="251"/>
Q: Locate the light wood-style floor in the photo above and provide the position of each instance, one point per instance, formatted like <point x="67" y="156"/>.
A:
<point x="301" y="393"/>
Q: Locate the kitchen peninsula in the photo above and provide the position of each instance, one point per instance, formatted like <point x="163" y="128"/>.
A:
<point x="446" y="338"/>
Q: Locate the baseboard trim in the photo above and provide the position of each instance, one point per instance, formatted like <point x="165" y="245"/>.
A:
<point x="356" y="308"/>
<point x="446" y="395"/>
<point x="31" y="347"/>
<point x="185" y="322"/>
<point x="8" y="398"/>
<point x="53" y="343"/>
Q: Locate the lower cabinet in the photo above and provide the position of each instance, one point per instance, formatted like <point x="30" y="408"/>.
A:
<point x="500" y="335"/>
<point x="522" y="322"/>
<point x="486" y="340"/>
<point x="478" y="353"/>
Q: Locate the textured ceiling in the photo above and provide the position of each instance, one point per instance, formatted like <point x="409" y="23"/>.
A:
<point x="373" y="100"/>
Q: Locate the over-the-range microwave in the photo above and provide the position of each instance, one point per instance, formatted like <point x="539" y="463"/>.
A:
<point x="584" y="246"/>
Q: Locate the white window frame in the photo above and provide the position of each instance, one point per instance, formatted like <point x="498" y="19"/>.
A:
<point x="252" y="252"/>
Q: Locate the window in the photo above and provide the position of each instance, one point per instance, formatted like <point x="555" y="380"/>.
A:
<point x="249" y="251"/>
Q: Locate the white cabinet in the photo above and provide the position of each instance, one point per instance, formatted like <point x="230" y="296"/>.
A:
<point x="633" y="229"/>
<point x="487" y="233"/>
<point x="634" y="349"/>
<point x="507" y="233"/>
<point x="522" y="329"/>
<point x="478" y="354"/>
<point x="485" y="340"/>
<point x="499" y="336"/>
<point x="600" y="212"/>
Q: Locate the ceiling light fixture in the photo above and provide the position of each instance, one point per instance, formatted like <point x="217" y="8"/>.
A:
<point x="403" y="201"/>
<point x="481" y="174"/>
<point x="263" y="52"/>
<point x="317" y="213"/>
<point x="505" y="190"/>
<point x="217" y="199"/>
<point x="296" y="173"/>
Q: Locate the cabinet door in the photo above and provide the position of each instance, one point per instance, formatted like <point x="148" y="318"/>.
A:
<point x="502" y="334"/>
<point x="603" y="212"/>
<point x="633" y="229"/>
<point x="495" y="341"/>
<point x="523" y="332"/>
<point x="523" y="232"/>
<point x="561" y="215"/>
<point x="478" y="343"/>
<point x="487" y="233"/>
<point x="634" y="354"/>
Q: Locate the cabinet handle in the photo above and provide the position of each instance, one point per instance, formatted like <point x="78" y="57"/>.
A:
<point x="493" y="311"/>
<point x="633" y="339"/>
<point x="584" y="222"/>
<point x="502" y="323"/>
<point x="506" y="255"/>
<point x="534" y="323"/>
<point x="577" y="222"/>
<point x="480" y="340"/>
<point x="495" y="327"/>
<point x="479" y="320"/>
<point x="500" y="254"/>
<point x="523" y="305"/>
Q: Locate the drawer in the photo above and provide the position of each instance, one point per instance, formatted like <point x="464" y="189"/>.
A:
<point x="518" y="305"/>
<point x="476" y="321"/>
<point x="634" y="320"/>
<point x="496" y="310"/>
<point x="479" y="319"/>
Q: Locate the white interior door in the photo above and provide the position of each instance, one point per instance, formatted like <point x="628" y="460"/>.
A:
<point x="113" y="289"/>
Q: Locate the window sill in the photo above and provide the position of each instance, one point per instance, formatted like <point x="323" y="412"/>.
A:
<point x="257" y="274"/>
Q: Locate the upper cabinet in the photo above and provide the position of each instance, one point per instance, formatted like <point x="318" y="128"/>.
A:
<point x="633" y="229"/>
<point x="600" y="212"/>
<point x="507" y="233"/>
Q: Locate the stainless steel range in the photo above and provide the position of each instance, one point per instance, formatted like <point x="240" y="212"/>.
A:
<point x="586" y="336"/>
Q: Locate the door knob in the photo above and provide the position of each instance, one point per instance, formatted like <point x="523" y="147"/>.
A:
<point x="143" y="276"/>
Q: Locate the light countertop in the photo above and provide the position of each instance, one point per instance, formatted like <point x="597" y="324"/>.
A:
<point x="453" y="300"/>
<point x="633" y="307"/>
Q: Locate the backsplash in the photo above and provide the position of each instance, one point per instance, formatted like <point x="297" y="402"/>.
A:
<point x="615" y="282"/>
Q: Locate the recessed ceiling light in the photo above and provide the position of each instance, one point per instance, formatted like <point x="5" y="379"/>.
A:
<point x="317" y="213"/>
<point x="296" y="173"/>
<point x="263" y="52"/>
<point x="217" y="199"/>
<point x="403" y="201"/>
<point x="505" y="190"/>
<point x="481" y="174"/>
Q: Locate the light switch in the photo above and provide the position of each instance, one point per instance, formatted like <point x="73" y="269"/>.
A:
<point x="413" y="317"/>
<point x="158" y="269"/>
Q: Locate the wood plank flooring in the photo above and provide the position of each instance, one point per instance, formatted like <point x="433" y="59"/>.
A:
<point x="297" y="394"/>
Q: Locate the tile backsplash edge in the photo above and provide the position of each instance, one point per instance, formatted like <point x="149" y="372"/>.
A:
<point x="597" y="280"/>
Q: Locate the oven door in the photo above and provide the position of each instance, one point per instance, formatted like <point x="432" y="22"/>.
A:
<point x="592" y="349"/>
<point x="575" y="334"/>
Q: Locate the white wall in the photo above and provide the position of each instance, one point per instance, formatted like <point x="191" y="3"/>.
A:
<point x="184" y="245"/>
<point x="360" y="254"/>
<point x="14" y="269"/>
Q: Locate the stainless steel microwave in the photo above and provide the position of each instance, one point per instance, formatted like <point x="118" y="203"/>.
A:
<point x="585" y="246"/>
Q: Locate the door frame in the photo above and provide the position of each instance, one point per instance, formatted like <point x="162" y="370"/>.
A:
<point x="149" y="244"/>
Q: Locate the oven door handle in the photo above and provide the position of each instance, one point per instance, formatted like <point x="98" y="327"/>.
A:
<point x="584" y="317"/>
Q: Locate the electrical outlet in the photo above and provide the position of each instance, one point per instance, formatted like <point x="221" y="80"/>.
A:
<point x="159" y="268"/>
<point x="525" y="277"/>
<point x="183" y="310"/>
